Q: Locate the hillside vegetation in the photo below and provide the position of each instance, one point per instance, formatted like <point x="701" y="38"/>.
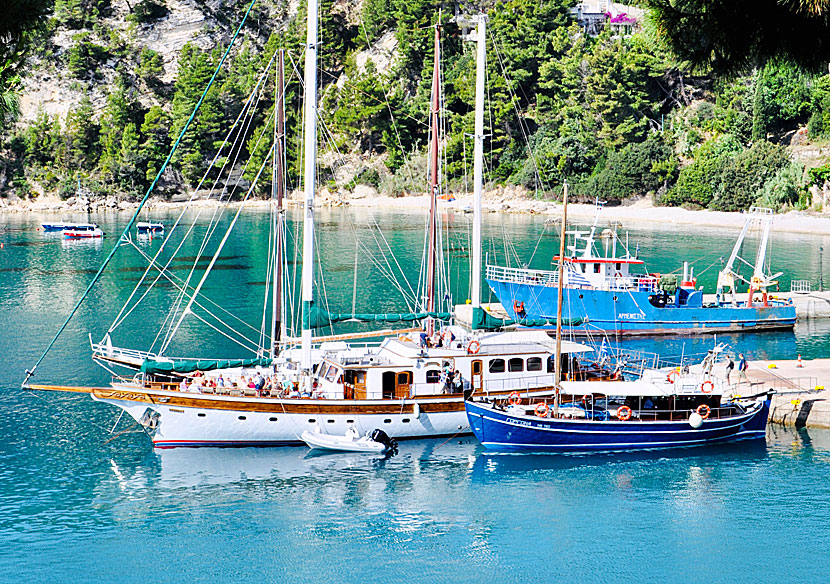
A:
<point x="615" y="115"/>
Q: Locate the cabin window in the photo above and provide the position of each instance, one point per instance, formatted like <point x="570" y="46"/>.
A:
<point x="584" y="267"/>
<point x="596" y="268"/>
<point x="618" y="267"/>
<point x="516" y="364"/>
<point x="331" y="374"/>
<point x="433" y="375"/>
<point x="534" y="364"/>
<point x="551" y="364"/>
<point x="497" y="366"/>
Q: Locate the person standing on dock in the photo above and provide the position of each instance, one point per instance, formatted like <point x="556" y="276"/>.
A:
<point x="730" y="365"/>
<point x="742" y="367"/>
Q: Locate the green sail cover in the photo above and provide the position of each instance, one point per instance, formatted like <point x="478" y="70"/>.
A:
<point x="320" y="318"/>
<point x="152" y="367"/>
<point x="484" y="320"/>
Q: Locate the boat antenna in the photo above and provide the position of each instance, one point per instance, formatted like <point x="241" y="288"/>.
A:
<point x="432" y="253"/>
<point x="277" y="194"/>
<point x="131" y="222"/>
<point x="309" y="178"/>
<point x="558" y="363"/>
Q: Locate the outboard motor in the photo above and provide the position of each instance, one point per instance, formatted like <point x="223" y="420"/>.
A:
<point x="379" y="435"/>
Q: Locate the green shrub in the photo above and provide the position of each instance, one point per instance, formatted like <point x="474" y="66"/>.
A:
<point x="148" y="11"/>
<point x="786" y="189"/>
<point x="636" y="170"/>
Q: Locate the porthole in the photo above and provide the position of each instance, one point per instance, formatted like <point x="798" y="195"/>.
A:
<point x="177" y="411"/>
<point x="615" y="298"/>
<point x="201" y="415"/>
<point x="350" y="421"/>
<point x="242" y="418"/>
<point x="387" y="421"/>
<point x="405" y="420"/>
<point x="581" y="296"/>
<point x="312" y="421"/>
<point x="272" y="419"/>
<point x="330" y="421"/>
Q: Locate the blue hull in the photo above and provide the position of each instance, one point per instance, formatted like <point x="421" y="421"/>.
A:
<point x="630" y="312"/>
<point x="498" y="430"/>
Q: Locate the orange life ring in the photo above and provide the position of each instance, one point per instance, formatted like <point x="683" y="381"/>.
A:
<point x="706" y="383"/>
<point x="542" y="410"/>
<point x="588" y="397"/>
<point x="624" y="413"/>
<point x="514" y="398"/>
<point x="518" y="306"/>
<point x="474" y="347"/>
<point x="618" y="275"/>
<point x="703" y="408"/>
<point x="672" y="376"/>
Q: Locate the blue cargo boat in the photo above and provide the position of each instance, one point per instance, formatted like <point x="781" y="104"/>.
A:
<point x="653" y="412"/>
<point x="608" y="294"/>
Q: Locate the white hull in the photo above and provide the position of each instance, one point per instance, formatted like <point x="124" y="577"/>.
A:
<point x="341" y="443"/>
<point x="190" y="425"/>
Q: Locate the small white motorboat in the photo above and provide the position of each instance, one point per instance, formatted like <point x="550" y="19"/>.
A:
<point x="149" y="227"/>
<point x="375" y="441"/>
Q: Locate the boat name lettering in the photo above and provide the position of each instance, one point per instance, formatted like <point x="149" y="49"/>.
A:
<point x="631" y="315"/>
<point x="519" y="422"/>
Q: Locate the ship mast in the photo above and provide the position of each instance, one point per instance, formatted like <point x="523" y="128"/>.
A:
<point x="432" y="252"/>
<point x="558" y="363"/>
<point x="478" y="166"/>
<point x="277" y="194"/>
<point x="309" y="178"/>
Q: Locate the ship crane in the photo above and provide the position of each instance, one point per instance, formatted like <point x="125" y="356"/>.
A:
<point x="759" y="281"/>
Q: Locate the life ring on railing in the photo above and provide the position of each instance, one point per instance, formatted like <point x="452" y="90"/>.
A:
<point x="586" y="399"/>
<point x="703" y="408"/>
<point x="708" y="383"/>
<point x="542" y="410"/>
<point x="474" y="347"/>
<point x="514" y="398"/>
<point x="672" y="376"/>
<point x="624" y="413"/>
<point x="518" y="306"/>
<point x="618" y="275"/>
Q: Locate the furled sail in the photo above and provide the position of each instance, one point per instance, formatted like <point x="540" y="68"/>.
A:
<point x="320" y="318"/>
<point x="155" y="367"/>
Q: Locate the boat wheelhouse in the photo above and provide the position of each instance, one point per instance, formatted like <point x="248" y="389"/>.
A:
<point x="605" y="292"/>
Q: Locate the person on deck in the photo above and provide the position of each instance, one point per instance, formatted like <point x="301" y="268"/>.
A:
<point x="458" y="383"/>
<point x="183" y="386"/>
<point x="730" y="366"/>
<point x="742" y="367"/>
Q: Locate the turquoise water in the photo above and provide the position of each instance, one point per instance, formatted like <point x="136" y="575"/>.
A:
<point x="79" y="505"/>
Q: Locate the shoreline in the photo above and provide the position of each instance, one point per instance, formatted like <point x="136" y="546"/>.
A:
<point x="642" y="211"/>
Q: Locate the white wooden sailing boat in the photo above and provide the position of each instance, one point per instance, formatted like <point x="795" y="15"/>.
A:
<point x="405" y="386"/>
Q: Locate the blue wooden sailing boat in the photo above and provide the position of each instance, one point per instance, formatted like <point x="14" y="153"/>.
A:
<point x="633" y="415"/>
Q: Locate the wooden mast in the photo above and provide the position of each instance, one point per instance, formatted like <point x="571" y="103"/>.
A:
<point x="558" y="363"/>
<point x="432" y="252"/>
<point x="310" y="180"/>
<point x="277" y="194"/>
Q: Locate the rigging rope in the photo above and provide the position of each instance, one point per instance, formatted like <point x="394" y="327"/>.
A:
<point x="128" y="227"/>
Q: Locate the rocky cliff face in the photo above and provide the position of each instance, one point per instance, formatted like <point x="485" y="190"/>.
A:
<point x="50" y="87"/>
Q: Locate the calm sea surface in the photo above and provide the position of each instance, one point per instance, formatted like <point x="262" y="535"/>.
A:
<point x="79" y="504"/>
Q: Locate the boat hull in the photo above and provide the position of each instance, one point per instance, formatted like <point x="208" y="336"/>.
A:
<point x="335" y="443"/>
<point x="211" y="420"/>
<point x="502" y="431"/>
<point x="628" y="312"/>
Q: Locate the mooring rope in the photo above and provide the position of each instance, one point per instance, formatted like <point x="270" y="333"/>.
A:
<point x="31" y="372"/>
